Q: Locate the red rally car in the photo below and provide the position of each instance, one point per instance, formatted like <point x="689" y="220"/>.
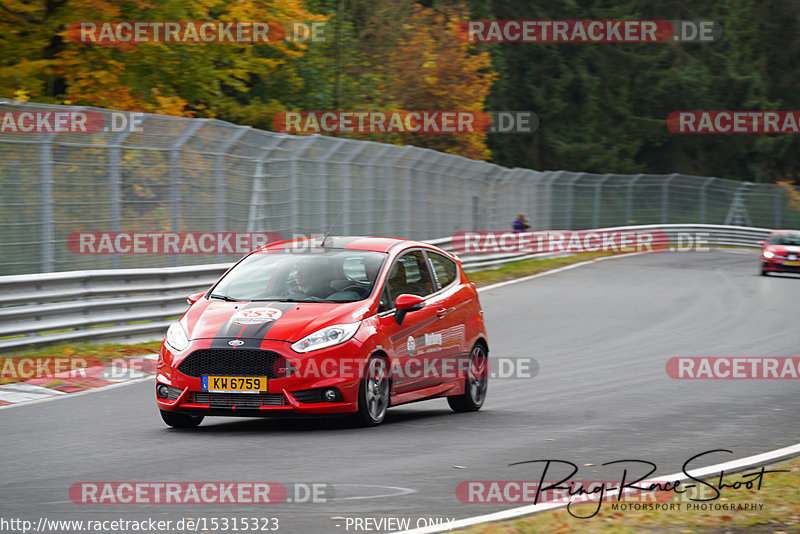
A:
<point x="343" y="325"/>
<point x="780" y="252"/>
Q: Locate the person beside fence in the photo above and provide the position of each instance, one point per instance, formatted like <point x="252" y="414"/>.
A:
<point x="521" y="224"/>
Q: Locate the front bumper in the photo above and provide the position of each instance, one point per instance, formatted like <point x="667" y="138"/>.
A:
<point x="781" y="265"/>
<point x="299" y="393"/>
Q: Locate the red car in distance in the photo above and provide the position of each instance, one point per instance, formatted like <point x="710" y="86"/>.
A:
<point x="780" y="252"/>
<point x="343" y="325"/>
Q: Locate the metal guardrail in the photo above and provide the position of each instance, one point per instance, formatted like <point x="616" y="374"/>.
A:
<point x="117" y="304"/>
<point x="110" y="304"/>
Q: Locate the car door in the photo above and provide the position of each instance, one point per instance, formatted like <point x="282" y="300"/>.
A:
<point x="449" y="304"/>
<point x="411" y="348"/>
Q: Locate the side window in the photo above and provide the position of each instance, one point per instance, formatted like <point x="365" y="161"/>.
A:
<point x="385" y="302"/>
<point x="444" y="268"/>
<point x="409" y="274"/>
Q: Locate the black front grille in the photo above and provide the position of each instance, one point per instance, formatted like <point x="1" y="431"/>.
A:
<point x="234" y="362"/>
<point x="246" y="400"/>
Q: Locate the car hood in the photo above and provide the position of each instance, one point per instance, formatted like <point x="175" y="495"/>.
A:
<point x="281" y="321"/>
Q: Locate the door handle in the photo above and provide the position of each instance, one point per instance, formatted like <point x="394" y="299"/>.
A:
<point x="441" y="312"/>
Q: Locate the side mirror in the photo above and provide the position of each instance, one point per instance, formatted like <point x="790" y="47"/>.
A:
<point x="194" y="297"/>
<point x="406" y="303"/>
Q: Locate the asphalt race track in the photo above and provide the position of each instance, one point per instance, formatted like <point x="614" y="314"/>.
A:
<point x="601" y="335"/>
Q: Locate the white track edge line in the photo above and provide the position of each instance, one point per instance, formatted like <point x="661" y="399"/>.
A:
<point x="731" y="466"/>
<point x="554" y="271"/>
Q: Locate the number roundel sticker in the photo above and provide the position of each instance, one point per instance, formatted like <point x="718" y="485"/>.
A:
<point x="256" y="316"/>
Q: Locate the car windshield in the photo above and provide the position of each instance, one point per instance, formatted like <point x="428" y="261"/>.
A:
<point x="786" y="239"/>
<point x="312" y="275"/>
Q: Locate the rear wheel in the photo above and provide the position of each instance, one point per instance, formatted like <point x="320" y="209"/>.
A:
<point x="181" y="420"/>
<point x="373" y="393"/>
<point x="476" y="383"/>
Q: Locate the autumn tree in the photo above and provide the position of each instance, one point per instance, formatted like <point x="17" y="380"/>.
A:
<point x="241" y="82"/>
<point x="400" y="55"/>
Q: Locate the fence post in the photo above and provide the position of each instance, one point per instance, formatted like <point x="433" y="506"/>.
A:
<point x="371" y="163"/>
<point x="571" y="198"/>
<point x="629" y="199"/>
<point x="492" y="218"/>
<point x="294" y="181"/>
<point x="513" y="200"/>
<point x="425" y="166"/>
<point x="703" y="199"/>
<point x="665" y="197"/>
<point x="175" y="177"/>
<point x="465" y="221"/>
<point x="410" y="177"/>
<point x="115" y="175"/>
<point x="517" y="196"/>
<point x="549" y="197"/>
<point x="528" y="179"/>
<point x="46" y="188"/>
<point x="259" y="177"/>
<point x="347" y="185"/>
<point x="456" y="162"/>
<point x="597" y="192"/>
<point x="737" y="213"/>
<point x="219" y="185"/>
<point x="322" y="184"/>
<point x="778" y="206"/>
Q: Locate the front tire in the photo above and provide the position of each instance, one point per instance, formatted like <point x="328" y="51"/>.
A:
<point x="763" y="270"/>
<point x="373" y="393"/>
<point x="181" y="420"/>
<point x="476" y="382"/>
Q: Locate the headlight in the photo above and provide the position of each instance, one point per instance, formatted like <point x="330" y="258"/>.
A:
<point x="769" y="254"/>
<point x="176" y="337"/>
<point x="327" y="337"/>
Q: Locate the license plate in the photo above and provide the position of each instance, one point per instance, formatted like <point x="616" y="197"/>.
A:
<point x="235" y="384"/>
<point x="792" y="263"/>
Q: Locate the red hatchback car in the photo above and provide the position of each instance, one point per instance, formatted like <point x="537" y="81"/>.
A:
<point x="352" y="327"/>
<point x="780" y="252"/>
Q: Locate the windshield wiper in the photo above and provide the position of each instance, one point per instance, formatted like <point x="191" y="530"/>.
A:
<point x="226" y="298"/>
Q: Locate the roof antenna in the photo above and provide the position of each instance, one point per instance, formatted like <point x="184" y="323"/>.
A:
<point x="331" y="228"/>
